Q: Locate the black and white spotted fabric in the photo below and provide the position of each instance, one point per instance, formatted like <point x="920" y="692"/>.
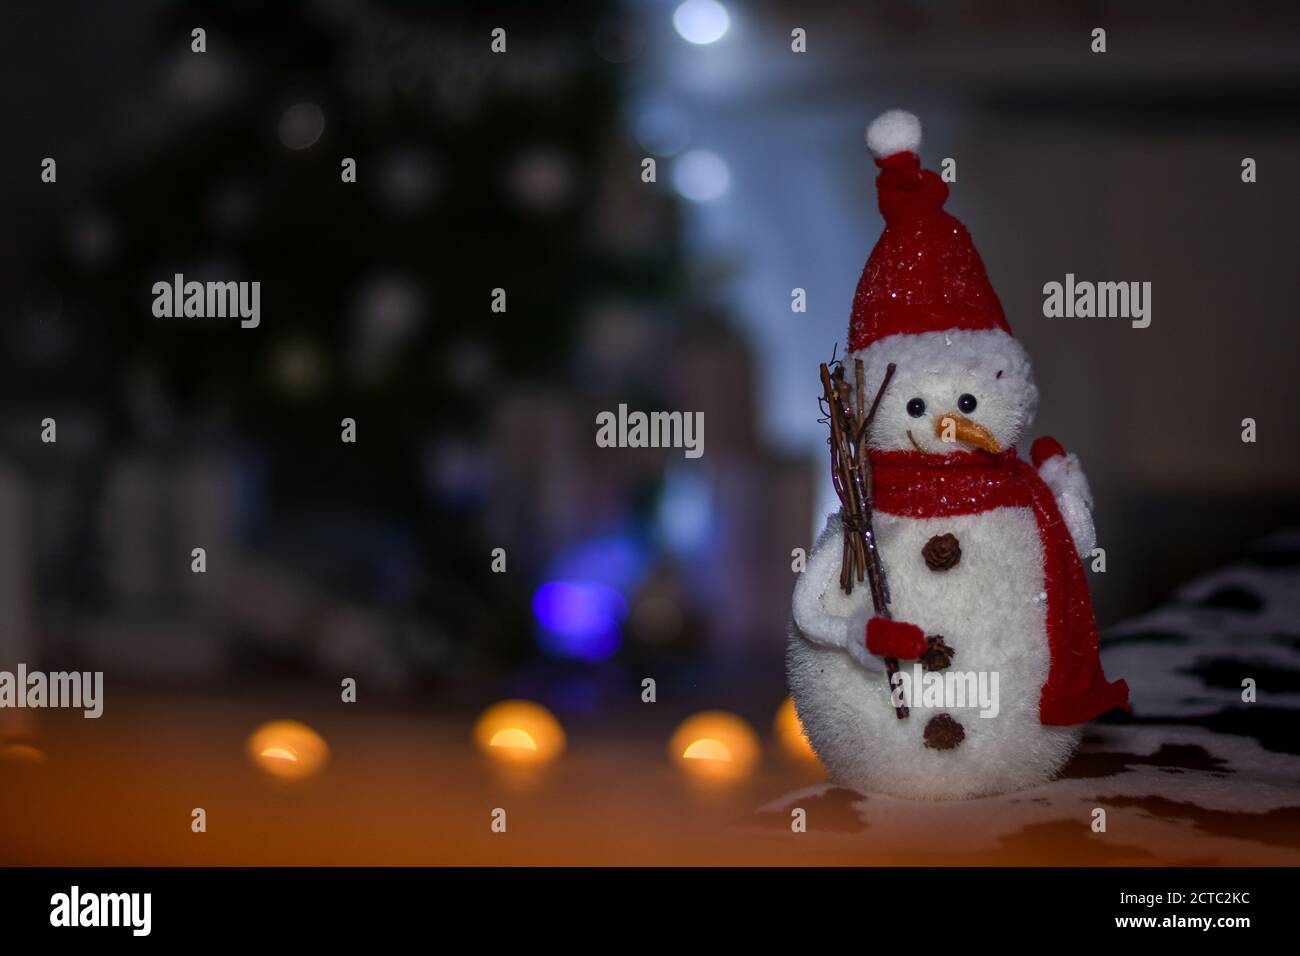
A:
<point x="1193" y="775"/>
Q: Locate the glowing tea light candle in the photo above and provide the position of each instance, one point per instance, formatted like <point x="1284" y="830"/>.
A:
<point x="714" y="745"/>
<point x="289" y="749"/>
<point x="519" y="732"/>
<point x="790" y="735"/>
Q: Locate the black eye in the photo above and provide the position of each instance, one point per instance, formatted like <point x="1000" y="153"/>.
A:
<point x="916" y="407"/>
<point x="967" y="403"/>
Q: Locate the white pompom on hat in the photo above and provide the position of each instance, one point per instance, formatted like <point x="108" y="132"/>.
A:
<point x="896" y="131"/>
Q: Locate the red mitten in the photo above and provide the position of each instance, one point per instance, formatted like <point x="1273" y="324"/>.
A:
<point x="1043" y="449"/>
<point x="899" y="639"/>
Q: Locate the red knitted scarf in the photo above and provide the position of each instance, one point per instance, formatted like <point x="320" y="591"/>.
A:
<point x="917" y="485"/>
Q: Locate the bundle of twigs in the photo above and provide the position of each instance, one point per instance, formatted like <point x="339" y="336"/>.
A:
<point x="850" y="423"/>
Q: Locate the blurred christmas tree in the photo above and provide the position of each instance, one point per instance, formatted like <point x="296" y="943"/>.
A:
<point x="475" y="171"/>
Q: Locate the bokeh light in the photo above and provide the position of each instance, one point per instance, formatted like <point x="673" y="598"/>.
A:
<point x="301" y="125"/>
<point x="715" y="746"/>
<point x="701" y="176"/>
<point x="288" y="749"/>
<point x="684" y="516"/>
<point x="21" y="753"/>
<point x="790" y="736"/>
<point x="579" y="619"/>
<point x="581" y="607"/>
<point x="660" y="126"/>
<point x="701" y="21"/>
<point x="519" y="732"/>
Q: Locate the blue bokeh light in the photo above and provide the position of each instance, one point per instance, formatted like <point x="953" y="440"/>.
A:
<point x="581" y="607"/>
<point x="684" y="517"/>
<point x="616" y="560"/>
<point x="579" y="619"/>
<point x="701" y="176"/>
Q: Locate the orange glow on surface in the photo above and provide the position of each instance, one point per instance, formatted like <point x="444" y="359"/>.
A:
<point x="715" y="745"/>
<point x="411" y="790"/>
<point x="789" y="733"/>
<point x="21" y="753"/>
<point x="519" y="731"/>
<point x="287" y="748"/>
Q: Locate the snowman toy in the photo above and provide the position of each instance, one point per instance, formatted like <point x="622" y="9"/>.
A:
<point x="981" y="550"/>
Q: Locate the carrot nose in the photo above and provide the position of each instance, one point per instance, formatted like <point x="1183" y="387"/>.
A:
<point x="954" y="427"/>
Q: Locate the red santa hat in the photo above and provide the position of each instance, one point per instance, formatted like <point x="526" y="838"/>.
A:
<point x="924" y="274"/>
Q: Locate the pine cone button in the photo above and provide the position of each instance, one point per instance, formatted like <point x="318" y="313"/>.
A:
<point x="938" y="654"/>
<point x="943" y="733"/>
<point x="942" y="552"/>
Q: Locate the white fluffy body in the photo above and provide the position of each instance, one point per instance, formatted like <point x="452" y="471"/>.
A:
<point x="896" y="131"/>
<point x="991" y="607"/>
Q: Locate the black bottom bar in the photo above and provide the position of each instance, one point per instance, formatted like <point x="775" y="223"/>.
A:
<point x="333" y="906"/>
